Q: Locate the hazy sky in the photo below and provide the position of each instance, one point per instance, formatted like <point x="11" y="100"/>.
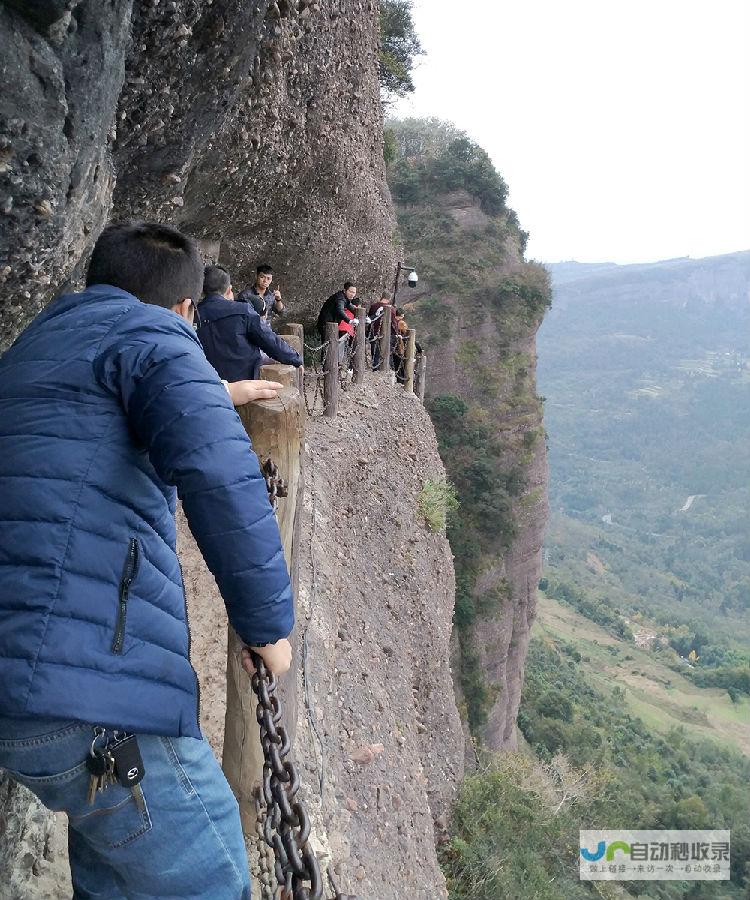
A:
<point x="622" y="128"/>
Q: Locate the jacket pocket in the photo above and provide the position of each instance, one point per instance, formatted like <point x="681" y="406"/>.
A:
<point x="128" y="574"/>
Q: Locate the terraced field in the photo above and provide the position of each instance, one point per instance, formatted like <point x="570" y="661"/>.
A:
<point x="662" y="698"/>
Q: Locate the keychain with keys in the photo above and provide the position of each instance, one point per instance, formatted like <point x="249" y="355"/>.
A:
<point x="100" y="765"/>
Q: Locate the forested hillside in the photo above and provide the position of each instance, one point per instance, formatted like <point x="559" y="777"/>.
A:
<point x="646" y="370"/>
<point x="476" y="309"/>
<point x="638" y="676"/>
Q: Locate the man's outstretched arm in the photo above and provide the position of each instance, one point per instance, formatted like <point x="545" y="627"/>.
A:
<point x="182" y="413"/>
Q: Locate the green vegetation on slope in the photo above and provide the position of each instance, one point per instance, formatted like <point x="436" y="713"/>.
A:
<point x="488" y="428"/>
<point x="647" y="371"/>
<point x="595" y="764"/>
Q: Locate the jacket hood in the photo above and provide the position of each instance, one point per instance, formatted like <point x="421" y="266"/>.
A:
<point x="215" y="307"/>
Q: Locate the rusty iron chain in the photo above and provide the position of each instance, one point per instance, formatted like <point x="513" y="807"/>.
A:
<point x="275" y="484"/>
<point x="315" y="355"/>
<point x="286" y="823"/>
<point x="267" y="876"/>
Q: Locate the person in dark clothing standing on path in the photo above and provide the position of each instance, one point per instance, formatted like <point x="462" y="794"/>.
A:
<point x="333" y="308"/>
<point x="94" y="639"/>
<point x="233" y="335"/>
<point x="260" y="296"/>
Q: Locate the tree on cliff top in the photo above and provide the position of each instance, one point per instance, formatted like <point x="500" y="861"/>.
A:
<point x="431" y="156"/>
<point x="399" y="47"/>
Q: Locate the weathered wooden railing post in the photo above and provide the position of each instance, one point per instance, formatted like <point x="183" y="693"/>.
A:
<point x="411" y="349"/>
<point x="276" y="430"/>
<point x="360" y="343"/>
<point x="331" y="372"/>
<point x="421" y="374"/>
<point x="294" y="334"/>
<point x="294" y="328"/>
<point x="385" y="339"/>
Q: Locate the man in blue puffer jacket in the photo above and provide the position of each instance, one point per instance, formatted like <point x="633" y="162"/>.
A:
<point x="107" y="405"/>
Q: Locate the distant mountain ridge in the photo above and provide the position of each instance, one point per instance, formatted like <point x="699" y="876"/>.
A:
<point x="704" y="277"/>
<point x="646" y="371"/>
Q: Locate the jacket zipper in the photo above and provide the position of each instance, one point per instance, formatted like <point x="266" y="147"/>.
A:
<point x="128" y="573"/>
<point x="189" y="645"/>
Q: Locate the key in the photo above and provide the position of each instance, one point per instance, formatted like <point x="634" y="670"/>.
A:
<point x="96" y="763"/>
<point x="128" y="765"/>
<point x="110" y="775"/>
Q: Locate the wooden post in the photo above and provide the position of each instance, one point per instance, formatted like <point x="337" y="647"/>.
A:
<point x="331" y="372"/>
<point x="411" y="349"/>
<point x="360" y="343"/>
<point x="276" y="430"/>
<point x="421" y="374"/>
<point x="294" y="328"/>
<point x="385" y="339"/>
<point x="295" y="342"/>
<point x="286" y="375"/>
<point x="294" y="334"/>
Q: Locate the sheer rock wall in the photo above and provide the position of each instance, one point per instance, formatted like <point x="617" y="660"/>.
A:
<point x="254" y="124"/>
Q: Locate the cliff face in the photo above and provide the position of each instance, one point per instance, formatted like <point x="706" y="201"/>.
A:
<point x="482" y="340"/>
<point x="478" y="307"/>
<point x="256" y="125"/>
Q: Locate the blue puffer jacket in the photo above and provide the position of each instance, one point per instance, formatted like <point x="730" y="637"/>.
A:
<point x="106" y="403"/>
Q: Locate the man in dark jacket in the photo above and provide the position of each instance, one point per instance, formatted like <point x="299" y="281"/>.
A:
<point x="260" y="296"/>
<point x="333" y="308"/>
<point x="233" y="335"/>
<point x="110" y="409"/>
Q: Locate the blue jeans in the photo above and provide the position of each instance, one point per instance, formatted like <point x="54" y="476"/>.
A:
<point x="179" y="837"/>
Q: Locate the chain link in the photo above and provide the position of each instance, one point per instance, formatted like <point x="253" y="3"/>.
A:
<point x="275" y="484"/>
<point x="285" y="823"/>
<point x="315" y="355"/>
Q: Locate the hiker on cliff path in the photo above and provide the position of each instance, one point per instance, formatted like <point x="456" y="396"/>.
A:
<point x="264" y="301"/>
<point x="233" y="335"/>
<point x="109" y="411"/>
<point x="334" y="309"/>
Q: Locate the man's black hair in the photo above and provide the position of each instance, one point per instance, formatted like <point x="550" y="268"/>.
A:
<point x="156" y="263"/>
<point x="264" y="269"/>
<point x="348" y="284"/>
<point x="216" y="280"/>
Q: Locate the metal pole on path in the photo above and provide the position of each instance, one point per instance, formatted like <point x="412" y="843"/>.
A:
<point x="360" y="341"/>
<point x="331" y="372"/>
<point x="421" y="374"/>
<point x="411" y="349"/>
<point x="385" y="339"/>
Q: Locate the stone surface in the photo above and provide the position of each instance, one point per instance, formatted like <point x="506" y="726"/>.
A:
<point x="56" y="113"/>
<point x="254" y="124"/>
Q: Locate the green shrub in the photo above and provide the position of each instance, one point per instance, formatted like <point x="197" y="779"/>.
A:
<point x="437" y="502"/>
